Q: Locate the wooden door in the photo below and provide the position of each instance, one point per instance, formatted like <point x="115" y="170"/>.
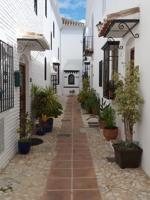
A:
<point x="22" y="93"/>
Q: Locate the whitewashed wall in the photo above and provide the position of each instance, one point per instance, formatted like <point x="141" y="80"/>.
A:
<point x="18" y="17"/>
<point x="94" y="11"/>
<point x="142" y="59"/>
<point x="71" y="51"/>
<point x="8" y="35"/>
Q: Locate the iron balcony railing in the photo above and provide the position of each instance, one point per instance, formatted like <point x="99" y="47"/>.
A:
<point x="88" y="45"/>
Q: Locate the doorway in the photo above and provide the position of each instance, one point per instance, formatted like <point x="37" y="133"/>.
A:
<point x="132" y="56"/>
<point x="22" y="93"/>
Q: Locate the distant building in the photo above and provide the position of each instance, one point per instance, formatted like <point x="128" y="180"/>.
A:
<point x="71" y="56"/>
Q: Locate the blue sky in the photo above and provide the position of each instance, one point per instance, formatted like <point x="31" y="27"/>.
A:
<point x="73" y="9"/>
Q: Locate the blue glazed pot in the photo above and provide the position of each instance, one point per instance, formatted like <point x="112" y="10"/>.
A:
<point x="24" y="147"/>
<point x="49" y="125"/>
<point x="41" y="130"/>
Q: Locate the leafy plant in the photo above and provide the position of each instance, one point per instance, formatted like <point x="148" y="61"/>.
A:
<point x="126" y="145"/>
<point x="109" y="117"/>
<point x="45" y="102"/>
<point x="103" y="106"/>
<point x="85" y="92"/>
<point x="92" y="103"/>
<point x="26" y="129"/>
<point x="128" y="99"/>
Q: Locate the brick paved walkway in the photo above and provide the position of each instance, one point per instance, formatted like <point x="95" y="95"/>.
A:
<point x="72" y="175"/>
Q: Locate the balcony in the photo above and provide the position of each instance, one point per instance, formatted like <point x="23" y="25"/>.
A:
<point x="88" y="46"/>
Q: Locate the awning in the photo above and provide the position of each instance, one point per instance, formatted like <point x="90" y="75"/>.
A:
<point x="55" y="61"/>
<point x="119" y="24"/>
<point x="32" y="41"/>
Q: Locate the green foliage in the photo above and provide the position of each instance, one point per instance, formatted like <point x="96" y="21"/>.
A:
<point x="84" y="93"/>
<point x="86" y="84"/>
<point x="128" y="99"/>
<point x="88" y="98"/>
<point x="45" y="102"/>
<point x="92" y="103"/>
<point x="109" y="117"/>
<point x="103" y="106"/>
<point x="26" y="129"/>
<point x="122" y="145"/>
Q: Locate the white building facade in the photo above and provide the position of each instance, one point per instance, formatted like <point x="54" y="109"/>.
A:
<point x="71" y="56"/>
<point x="29" y="46"/>
<point x="132" y="46"/>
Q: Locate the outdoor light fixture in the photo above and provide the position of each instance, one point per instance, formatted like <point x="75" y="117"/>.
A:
<point x="99" y="25"/>
<point x="120" y="47"/>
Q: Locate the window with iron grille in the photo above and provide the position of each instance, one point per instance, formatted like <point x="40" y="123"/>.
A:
<point x="6" y="77"/>
<point x="110" y="66"/>
<point x="54" y="83"/>
<point x="53" y="29"/>
<point x="45" y="8"/>
<point x="58" y="53"/>
<point x="51" y="41"/>
<point x="36" y="6"/>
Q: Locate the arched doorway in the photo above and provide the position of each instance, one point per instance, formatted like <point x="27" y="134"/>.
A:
<point x="130" y="51"/>
<point x="71" y="79"/>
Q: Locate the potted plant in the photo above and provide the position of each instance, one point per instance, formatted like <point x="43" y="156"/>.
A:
<point x="110" y="130"/>
<point x="128" y="102"/>
<point x="84" y="93"/>
<point x="25" y="131"/>
<point x="45" y="107"/>
<point x="92" y="103"/>
<point x="103" y="106"/>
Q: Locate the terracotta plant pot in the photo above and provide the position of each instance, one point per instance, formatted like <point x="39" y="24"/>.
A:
<point x="128" y="158"/>
<point x="110" y="133"/>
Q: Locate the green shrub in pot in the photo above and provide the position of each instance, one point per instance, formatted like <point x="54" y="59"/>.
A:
<point x="128" y="101"/>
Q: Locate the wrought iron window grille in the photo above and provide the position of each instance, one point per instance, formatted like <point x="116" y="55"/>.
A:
<point x="6" y="77"/>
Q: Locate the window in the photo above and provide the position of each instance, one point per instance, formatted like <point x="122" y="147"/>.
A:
<point x="6" y="77"/>
<point x="58" y="53"/>
<point x="71" y="79"/>
<point x="100" y="73"/>
<point x="51" y="41"/>
<point x="110" y="66"/>
<point x="56" y="69"/>
<point x="45" y="69"/>
<point x="132" y="56"/>
<point x="35" y="6"/>
<point x="53" y="29"/>
<point x="54" y="83"/>
<point x="45" y="8"/>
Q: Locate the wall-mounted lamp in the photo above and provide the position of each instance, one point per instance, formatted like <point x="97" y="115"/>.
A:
<point x="99" y="26"/>
<point x="121" y="47"/>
